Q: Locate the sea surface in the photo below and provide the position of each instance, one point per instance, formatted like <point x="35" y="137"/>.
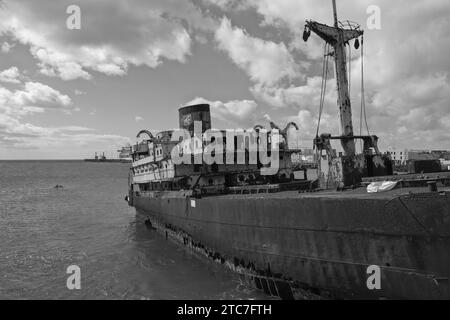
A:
<point x="44" y="230"/>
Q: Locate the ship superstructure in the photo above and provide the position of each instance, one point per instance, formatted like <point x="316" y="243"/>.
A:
<point x="154" y="169"/>
<point x="125" y="153"/>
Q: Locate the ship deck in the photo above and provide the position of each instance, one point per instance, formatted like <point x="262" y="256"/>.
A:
<point x="360" y="193"/>
<point x="407" y="184"/>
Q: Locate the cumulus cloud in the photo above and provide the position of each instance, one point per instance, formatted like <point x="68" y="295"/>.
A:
<point x="23" y="135"/>
<point x="113" y="34"/>
<point x="33" y="97"/>
<point x="6" y="47"/>
<point x="305" y="96"/>
<point x="10" y="75"/>
<point x="30" y="98"/>
<point x="228" y="4"/>
<point x="231" y="113"/>
<point x="266" y="62"/>
<point x="138" y="119"/>
<point x="13" y="129"/>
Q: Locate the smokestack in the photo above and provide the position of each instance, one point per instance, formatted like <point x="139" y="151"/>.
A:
<point x="189" y="114"/>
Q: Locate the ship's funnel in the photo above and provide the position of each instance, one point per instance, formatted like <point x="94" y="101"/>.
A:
<point x="189" y="114"/>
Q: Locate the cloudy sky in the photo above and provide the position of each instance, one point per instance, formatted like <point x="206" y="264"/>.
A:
<point x="67" y="93"/>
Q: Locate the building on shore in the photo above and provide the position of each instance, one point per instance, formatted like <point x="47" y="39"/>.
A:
<point x="401" y="157"/>
<point x="398" y="156"/>
<point x="445" y="164"/>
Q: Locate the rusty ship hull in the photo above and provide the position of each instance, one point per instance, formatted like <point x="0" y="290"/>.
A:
<point x="284" y="242"/>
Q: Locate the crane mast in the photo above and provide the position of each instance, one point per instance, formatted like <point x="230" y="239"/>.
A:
<point x="337" y="37"/>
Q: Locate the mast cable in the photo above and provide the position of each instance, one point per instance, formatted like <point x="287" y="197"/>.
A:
<point x="363" y="100"/>
<point x="321" y="89"/>
<point x="349" y="71"/>
<point x="324" y="84"/>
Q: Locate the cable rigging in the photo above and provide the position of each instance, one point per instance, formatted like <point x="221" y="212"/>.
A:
<point x="323" y="88"/>
<point x="363" y="99"/>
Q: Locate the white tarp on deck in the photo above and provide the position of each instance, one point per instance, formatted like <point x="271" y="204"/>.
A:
<point x="381" y="186"/>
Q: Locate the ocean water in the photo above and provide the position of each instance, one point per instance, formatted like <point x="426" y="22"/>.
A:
<point x="87" y="223"/>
